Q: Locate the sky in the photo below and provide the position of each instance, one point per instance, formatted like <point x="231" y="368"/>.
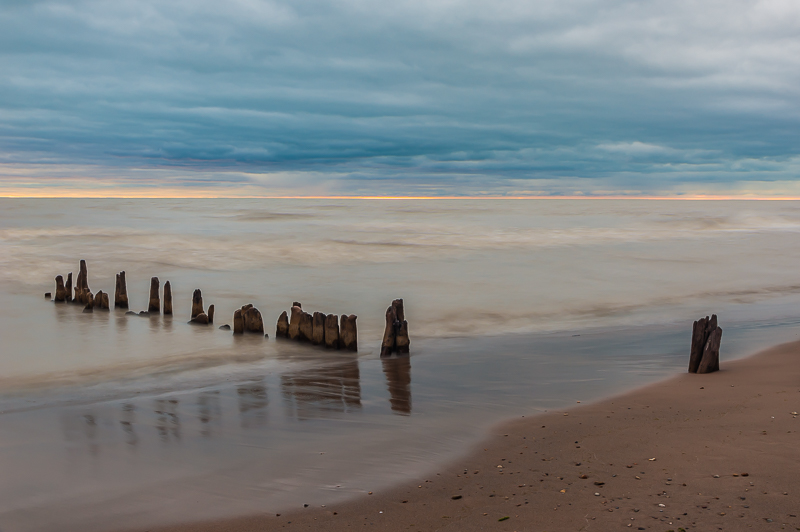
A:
<point x="408" y="97"/>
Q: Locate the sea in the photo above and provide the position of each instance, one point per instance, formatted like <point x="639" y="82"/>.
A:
<point x="111" y="420"/>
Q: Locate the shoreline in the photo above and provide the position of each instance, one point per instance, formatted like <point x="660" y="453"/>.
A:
<point x="724" y="444"/>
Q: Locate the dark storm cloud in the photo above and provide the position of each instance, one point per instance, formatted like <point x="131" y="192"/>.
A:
<point x="631" y="94"/>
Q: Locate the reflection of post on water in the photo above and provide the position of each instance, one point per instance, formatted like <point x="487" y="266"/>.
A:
<point x="209" y="412"/>
<point x="168" y="424"/>
<point x="322" y="391"/>
<point x="82" y="430"/>
<point x="127" y="422"/>
<point x="252" y="404"/>
<point x="398" y="380"/>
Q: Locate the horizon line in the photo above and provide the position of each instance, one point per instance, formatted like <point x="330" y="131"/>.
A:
<point x="693" y="197"/>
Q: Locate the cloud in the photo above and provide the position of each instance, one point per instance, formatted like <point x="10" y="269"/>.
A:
<point x="436" y="95"/>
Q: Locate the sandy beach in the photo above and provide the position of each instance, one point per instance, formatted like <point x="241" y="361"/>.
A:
<point x="694" y="452"/>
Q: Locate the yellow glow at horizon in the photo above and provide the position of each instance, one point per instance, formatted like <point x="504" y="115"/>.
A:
<point x="144" y="194"/>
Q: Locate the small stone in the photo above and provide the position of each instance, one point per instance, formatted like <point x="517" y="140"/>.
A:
<point x="596" y="494"/>
<point x="455" y="497"/>
<point x="48" y="295"/>
<point x="716" y="476"/>
<point x="225" y="327"/>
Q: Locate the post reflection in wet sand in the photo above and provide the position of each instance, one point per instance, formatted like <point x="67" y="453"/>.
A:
<point x="398" y="381"/>
<point x="323" y="391"/>
<point x="127" y="420"/>
<point x="168" y="424"/>
<point x="209" y="412"/>
<point x="252" y="404"/>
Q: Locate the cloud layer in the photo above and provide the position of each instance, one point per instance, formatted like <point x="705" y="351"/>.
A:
<point x="440" y="96"/>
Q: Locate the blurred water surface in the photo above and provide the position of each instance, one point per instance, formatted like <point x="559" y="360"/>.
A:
<point x="514" y="306"/>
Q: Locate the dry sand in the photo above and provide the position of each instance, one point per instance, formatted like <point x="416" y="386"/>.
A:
<point x="695" y="452"/>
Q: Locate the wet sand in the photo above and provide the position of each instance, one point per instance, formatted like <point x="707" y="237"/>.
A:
<point x="694" y="452"/>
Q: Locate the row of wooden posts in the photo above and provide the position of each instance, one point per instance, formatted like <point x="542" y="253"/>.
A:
<point x="317" y="328"/>
<point x="324" y="329"/>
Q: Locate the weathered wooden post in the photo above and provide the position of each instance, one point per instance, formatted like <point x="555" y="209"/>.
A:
<point x="61" y="292"/>
<point x="197" y="303"/>
<point x="348" y="332"/>
<point x="332" y="331"/>
<point x="395" y="335"/>
<point x="121" y="292"/>
<point x="167" y="299"/>
<point x="282" y="328"/>
<point x="155" y="300"/>
<point x="706" y="339"/>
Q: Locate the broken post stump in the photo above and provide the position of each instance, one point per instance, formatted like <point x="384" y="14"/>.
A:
<point x="318" y="328"/>
<point x="167" y="298"/>
<point x="332" y="331"/>
<point x="306" y="326"/>
<point x="706" y="339"/>
<point x="82" y="291"/>
<point x="210" y="314"/>
<point x="282" y="328"/>
<point x="294" y="323"/>
<point x="348" y="333"/>
<point x="61" y="292"/>
<point x="248" y="319"/>
<point x="68" y="288"/>
<point x="252" y="320"/>
<point x="155" y="300"/>
<point x="197" y="303"/>
<point x="238" y="322"/>
<point x="87" y="296"/>
<point x="100" y="300"/>
<point x="121" y="292"/>
<point x="395" y="335"/>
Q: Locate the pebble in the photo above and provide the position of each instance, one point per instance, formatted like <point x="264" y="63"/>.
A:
<point x="716" y="476"/>
<point x="455" y="497"/>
